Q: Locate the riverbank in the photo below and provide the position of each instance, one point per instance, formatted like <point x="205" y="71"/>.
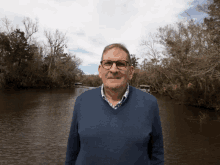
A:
<point x="205" y="114"/>
<point x="12" y="87"/>
<point x="191" y="97"/>
<point x="165" y="94"/>
<point x="181" y="102"/>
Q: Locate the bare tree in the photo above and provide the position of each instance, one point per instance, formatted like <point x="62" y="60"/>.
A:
<point x="152" y="53"/>
<point x="204" y="7"/>
<point x="191" y="46"/>
<point x="56" y="43"/>
<point x="146" y="65"/>
<point x="7" y="25"/>
<point x="30" y="28"/>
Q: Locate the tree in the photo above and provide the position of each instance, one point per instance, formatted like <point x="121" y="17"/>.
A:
<point x="134" y="61"/>
<point x="56" y="43"/>
<point x="22" y="59"/>
<point x="190" y="47"/>
<point x="20" y="50"/>
<point x="152" y="53"/>
<point x="177" y="42"/>
<point x="213" y="22"/>
<point x="16" y="54"/>
<point x="14" y="48"/>
<point x="7" y="25"/>
<point x="4" y="46"/>
<point x="30" y="28"/>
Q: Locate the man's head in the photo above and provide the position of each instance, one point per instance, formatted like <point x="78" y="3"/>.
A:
<point x="115" y="77"/>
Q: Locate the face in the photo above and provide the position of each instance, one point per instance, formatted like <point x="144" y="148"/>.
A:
<point x="115" y="78"/>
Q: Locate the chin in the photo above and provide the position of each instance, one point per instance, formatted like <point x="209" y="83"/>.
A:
<point x="114" y="84"/>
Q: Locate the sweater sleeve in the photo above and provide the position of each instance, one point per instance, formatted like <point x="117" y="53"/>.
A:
<point x="157" y="149"/>
<point x="73" y="145"/>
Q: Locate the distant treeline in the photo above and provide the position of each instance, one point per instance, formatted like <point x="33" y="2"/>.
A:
<point x="28" y="63"/>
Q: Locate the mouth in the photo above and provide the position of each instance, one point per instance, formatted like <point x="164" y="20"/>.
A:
<point x="115" y="78"/>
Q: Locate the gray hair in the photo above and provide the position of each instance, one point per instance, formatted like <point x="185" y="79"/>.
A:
<point x="120" y="46"/>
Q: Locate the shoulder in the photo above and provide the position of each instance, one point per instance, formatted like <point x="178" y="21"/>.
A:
<point x="88" y="94"/>
<point x="143" y="99"/>
<point x="141" y="94"/>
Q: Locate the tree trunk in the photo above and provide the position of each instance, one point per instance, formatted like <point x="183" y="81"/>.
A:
<point x="50" y="63"/>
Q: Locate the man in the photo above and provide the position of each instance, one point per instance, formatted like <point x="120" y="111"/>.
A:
<point x="115" y="124"/>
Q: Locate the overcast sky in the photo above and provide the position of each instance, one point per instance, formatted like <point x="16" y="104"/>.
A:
<point x="92" y="24"/>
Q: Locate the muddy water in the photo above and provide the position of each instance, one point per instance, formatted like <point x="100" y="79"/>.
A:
<point x="35" y="128"/>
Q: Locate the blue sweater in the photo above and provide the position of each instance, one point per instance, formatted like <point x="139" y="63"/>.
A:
<point x="129" y="135"/>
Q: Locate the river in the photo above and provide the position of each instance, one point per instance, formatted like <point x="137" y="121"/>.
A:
<point x="35" y="126"/>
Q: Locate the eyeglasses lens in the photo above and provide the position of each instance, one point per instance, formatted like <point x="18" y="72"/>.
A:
<point x="119" y="64"/>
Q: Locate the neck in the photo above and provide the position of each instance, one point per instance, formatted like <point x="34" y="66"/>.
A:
<point x="115" y="94"/>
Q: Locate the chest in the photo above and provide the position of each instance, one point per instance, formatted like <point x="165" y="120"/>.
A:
<point x="128" y="120"/>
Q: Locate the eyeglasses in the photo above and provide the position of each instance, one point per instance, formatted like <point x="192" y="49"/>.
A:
<point x="107" y="64"/>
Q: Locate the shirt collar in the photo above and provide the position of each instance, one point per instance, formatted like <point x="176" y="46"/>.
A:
<point x="125" y="94"/>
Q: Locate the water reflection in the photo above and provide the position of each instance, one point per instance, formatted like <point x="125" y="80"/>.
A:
<point x="35" y="128"/>
<point x="186" y="137"/>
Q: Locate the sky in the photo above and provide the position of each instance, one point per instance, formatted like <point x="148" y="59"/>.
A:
<point x="90" y="25"/>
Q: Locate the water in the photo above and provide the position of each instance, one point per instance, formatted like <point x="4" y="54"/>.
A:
<point x="35" y="126"/>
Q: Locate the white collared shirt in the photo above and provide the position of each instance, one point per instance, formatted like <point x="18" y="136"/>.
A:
<point x="124" y="97"/>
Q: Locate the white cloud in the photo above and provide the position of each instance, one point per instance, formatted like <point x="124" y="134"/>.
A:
<point x="91" y="25"/>
<point x="88" y="58"/>
<point x="87" y="73"/>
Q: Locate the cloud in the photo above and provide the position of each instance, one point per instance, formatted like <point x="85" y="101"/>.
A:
<point x="97" y="40"/>
<point x="91" y="25"/>
<point x="114" y="14"/>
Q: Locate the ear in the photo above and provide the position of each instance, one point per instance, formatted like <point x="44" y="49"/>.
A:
<point x="131" y="72"/>
<point x="99" y="69"/>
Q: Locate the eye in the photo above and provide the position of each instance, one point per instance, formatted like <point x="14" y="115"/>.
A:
<point x="119" y="63"/>
<point x="108" y="63"/>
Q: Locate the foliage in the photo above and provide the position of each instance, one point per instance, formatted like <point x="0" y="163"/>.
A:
<point x="190" y="69"/>
<point x="91" y="80"/>
<point x="134" y="61"/>
<point x="213" y="23"/>
<point x="26" y="63"/>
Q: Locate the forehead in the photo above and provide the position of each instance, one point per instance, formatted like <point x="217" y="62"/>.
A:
<point x="115" y="54"/>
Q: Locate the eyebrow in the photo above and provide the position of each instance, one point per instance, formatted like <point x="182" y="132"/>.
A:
<point x="114" y="60"/>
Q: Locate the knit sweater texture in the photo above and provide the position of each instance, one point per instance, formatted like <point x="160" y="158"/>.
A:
<point x="129" y="135"/>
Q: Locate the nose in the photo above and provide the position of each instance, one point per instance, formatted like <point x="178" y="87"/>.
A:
<point x="114" y="67"/>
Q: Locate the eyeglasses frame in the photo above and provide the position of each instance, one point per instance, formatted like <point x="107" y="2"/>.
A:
<point x="127" y="64"/>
